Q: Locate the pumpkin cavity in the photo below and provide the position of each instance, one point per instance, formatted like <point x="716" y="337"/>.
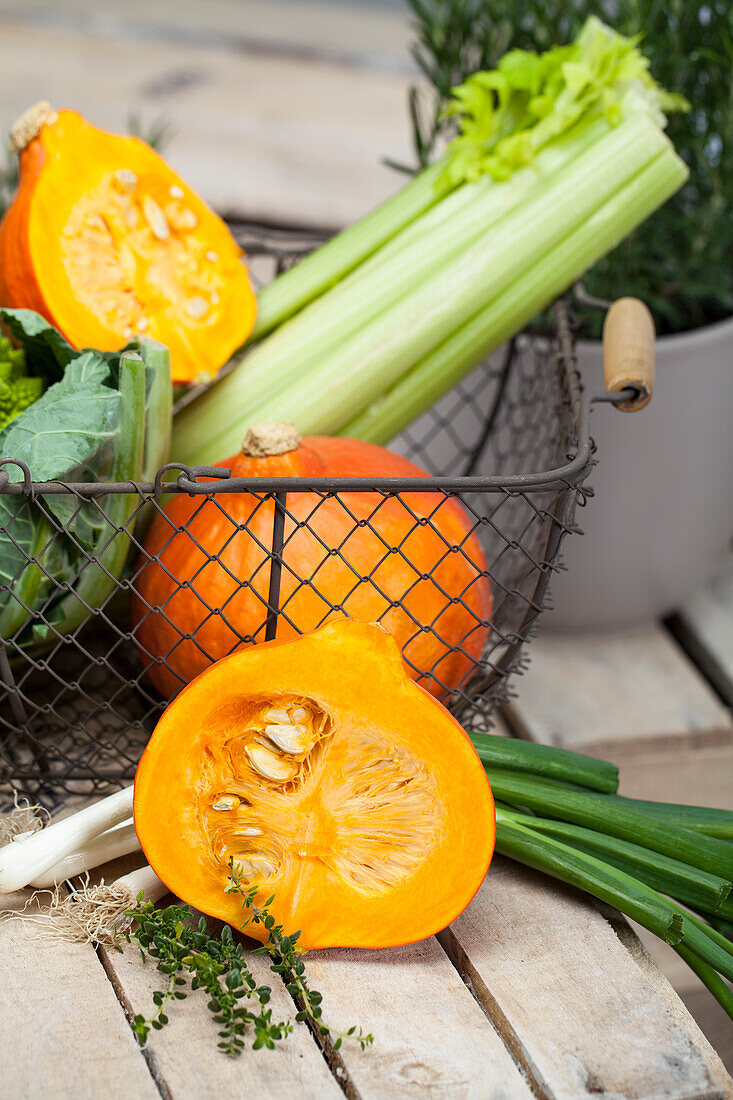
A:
<point x="128" y="245"/>
<point x="270" y="803"/>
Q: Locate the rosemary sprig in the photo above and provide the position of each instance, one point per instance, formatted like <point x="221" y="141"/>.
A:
<point x="286" y="961"/>
<point x="216" y="964"/>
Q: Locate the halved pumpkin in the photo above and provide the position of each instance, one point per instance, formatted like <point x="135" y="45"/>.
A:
<point x="106" y="241"/>
<point x="335" y="782"/>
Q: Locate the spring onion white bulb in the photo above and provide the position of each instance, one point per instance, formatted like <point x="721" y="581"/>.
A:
<point x="25" y="859"/>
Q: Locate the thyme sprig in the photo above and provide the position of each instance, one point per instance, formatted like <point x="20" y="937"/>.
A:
<point x="286" y="961"/>
<point x="182" y="946"/>
<point x="186" y="952"/>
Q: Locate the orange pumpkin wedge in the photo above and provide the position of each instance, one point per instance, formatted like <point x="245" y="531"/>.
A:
<point x="106" y="241"/>
<point x="333" y="781"/>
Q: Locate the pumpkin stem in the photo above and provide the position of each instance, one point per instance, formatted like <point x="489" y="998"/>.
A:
<point x="30" y="124"/>
<point x="263" y="440"/>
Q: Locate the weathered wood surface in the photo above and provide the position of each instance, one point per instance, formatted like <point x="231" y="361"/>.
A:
<point x="704" y="626"/>
<point x="61" y="1029"/>
<point x="536" y="994"/>
<point x="355" y="35"/>
<point x="184" y="1054"/>
<point x="261" y="129"/>
<point x="638" y="699"/>
<point x="430" y="1036"/>
<point x="558" y="983"/>
<point x="627" y="692"/>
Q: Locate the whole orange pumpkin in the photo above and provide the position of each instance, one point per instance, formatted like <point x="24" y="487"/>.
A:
<point x="412" y="564"/>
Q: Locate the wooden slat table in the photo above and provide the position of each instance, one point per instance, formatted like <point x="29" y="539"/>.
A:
<point x="283" y="110"/>
<point x="531" y="991"/>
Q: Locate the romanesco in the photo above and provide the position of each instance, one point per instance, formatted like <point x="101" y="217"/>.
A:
<point x="17" y="390"/>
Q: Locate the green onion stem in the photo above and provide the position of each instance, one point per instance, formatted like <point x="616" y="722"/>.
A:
<point x="602" y="813"/>
<point x="510" y="752"/>
<point x="720" y="924"/>
<point x="541" y="282"/>
<point x="707" y="947"/>
<point x="579" y="869"/>
<point x="670" y="876"/>
<point x="721" y="940"/>
<point x="703" y="819"/>
<point x="718" y="986"/>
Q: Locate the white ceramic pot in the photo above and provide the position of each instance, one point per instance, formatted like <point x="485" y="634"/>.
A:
<point x="663" y="509"/>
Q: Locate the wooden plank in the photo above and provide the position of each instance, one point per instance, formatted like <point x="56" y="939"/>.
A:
<point x="355" y="34"/>
<point x="634" y="690"/>
<point x="430" y="1036"/>
<point x="284" y="139"/>
<point x="570" y="999"/>
<point x="713" y="1021"/>
<point x="62" y="1031"/>
<point x="704" y="626"/>
<point x="702" y="776"/>
<point x="184" y="1054"/>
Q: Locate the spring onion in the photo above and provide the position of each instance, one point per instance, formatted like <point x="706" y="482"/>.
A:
<point x="26" y="858"/>
<point x="113" y="843"/>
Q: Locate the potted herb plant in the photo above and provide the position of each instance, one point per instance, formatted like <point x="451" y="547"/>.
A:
<point x="664" y="509"/>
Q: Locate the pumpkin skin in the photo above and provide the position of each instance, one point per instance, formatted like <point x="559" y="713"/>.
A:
<point x="106" y="241"/>
<point x="440" y="590"/>
<point x="383" y="832"/>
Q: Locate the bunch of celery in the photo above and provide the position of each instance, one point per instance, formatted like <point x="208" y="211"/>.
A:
<point x="559" y="156"/>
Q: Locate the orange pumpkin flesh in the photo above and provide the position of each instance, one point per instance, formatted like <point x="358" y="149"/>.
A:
<point x="376" y="825"/>
<point x="435" y="601"/>
<point x="106" y="241"/>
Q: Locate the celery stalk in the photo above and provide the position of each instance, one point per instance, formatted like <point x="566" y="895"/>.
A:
<point x="317" y="272"/>
<point x="348" y="379"/>
<point x="426" y="246"/>
<point x="540" y="284"/>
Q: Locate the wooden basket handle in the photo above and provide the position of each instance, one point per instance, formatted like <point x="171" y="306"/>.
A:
<point x="628" y="351"/>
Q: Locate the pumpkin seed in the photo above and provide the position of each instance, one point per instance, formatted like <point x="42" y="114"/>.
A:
<point x="270" y="764"/>
<point x="126" y="179"/>
<point x="254" y="866"/>
<point x="276" y="714"/>
<point x="289" y="738"/>
<point x="226" y="802"/>
<point x="196" y="307"/>
<point x="156" y="219"/>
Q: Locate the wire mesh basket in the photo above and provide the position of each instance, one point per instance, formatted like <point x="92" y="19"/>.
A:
<point x="511" y="443"/>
